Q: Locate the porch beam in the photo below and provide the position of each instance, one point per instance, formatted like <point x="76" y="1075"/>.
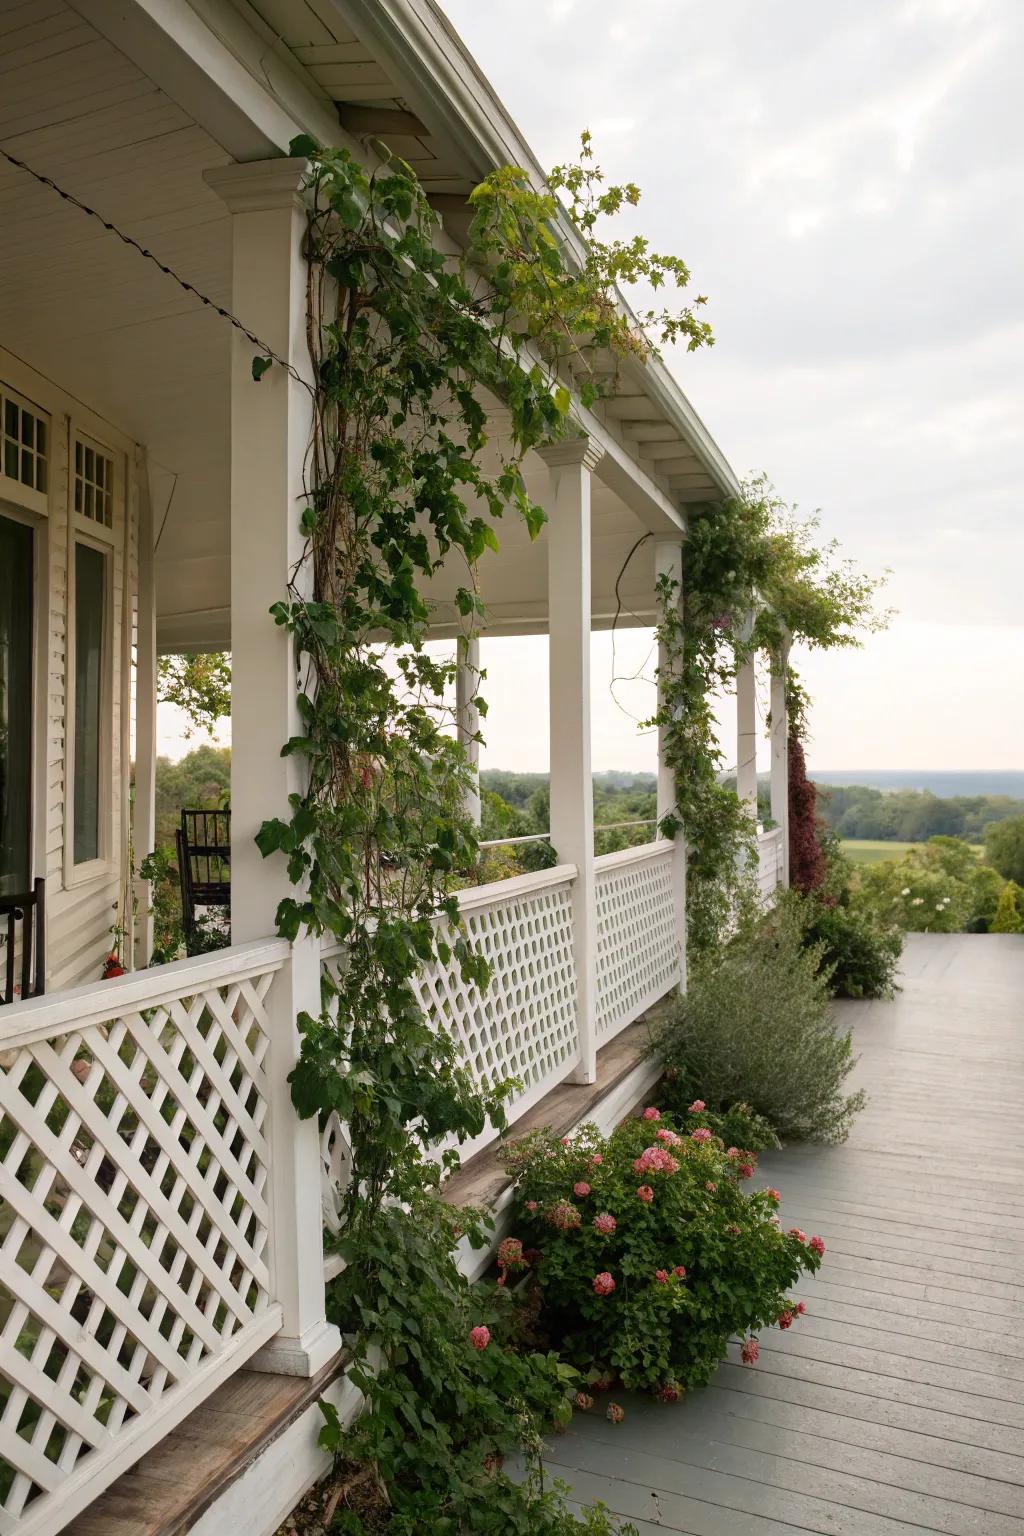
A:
<point x="746" y="730"/>
<point x="270" y="429"/>
<point x="780" y="752"/>
<point x="144" y="828"/>
<point x="668" y="562"/>
<point x="571" y="464"/>
<point x="467" y="716"/>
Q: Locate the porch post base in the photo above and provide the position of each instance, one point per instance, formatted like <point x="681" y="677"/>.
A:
<point x="285" y="1355"/>
<point x="585" y="1072"/>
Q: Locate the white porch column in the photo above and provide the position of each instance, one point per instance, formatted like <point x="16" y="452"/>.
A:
<point x="746" y="731"/>
<point x="144" y="823"/>
<point x="572" y="788"/>
<point x="668" y="562"/>
<point x="780" y="753"/>
<point x="467" y="716"/>
<point x="270" y="426"/>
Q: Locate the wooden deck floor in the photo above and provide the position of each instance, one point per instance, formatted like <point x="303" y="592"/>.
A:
<point x="897" y="1404"/>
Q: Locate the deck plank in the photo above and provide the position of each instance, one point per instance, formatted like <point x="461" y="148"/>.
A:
<point x="897" y="1404"/>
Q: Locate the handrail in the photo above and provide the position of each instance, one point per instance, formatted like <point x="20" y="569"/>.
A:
<point x="636" y="855"/>
<point x="507" y="842"/>
<point x="43" y="1018"/>
<point x="519" y="885"/>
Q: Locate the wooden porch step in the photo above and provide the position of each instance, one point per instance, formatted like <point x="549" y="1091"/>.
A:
<point x="169" y="1490"/>
<point x="482" y="1179"/>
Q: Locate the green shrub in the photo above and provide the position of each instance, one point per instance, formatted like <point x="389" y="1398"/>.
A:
<point x="938" y="887"/>
<point x="860" y="954"/>
<point x="1008" y="917"/>
<point x="451" y="1390"/>
<point x="755" y="1027"/>
<point x="649" y="1255"/>
<point x="1004" y="848"/>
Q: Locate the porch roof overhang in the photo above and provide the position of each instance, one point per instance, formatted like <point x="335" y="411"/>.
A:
<point x="195" y="85"/>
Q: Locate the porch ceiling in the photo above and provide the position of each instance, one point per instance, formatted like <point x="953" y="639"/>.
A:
<point x="102" y="112"/>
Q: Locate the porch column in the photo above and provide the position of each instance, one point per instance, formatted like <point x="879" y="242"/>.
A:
<point x="270" y="427"/>
<point x="467" y="716"/>
<point x="780" y="752"/>
<point x="668" y="562"/>
<point x="144" y="820"/>
<point x="746" y="730"/>
<point x="572" y="789"/>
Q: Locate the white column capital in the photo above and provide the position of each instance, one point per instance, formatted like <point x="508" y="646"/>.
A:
<point x="255" y="186"/>
<point x="569" y="451"/>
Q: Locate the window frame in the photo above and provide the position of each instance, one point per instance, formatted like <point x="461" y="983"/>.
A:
<point x="15" y="492"/>
<point x="94" y="535"/>
<point x="38" y="528"/>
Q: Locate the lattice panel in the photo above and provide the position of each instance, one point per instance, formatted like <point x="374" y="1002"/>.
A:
<point x="637" y="943"/>
<point x="133" y="1226"/>
<point x="524" y="1024"/>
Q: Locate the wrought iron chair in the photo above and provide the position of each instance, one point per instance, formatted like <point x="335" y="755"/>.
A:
<point x="23" y="917"/>
<point x="204" y="865"/>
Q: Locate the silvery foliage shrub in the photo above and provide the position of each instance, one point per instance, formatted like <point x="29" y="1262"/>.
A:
<point x="756" y="1027"/>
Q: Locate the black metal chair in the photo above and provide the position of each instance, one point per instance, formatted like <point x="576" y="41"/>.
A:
<point x="204" y="865"/>
<point x="24" y="917"/>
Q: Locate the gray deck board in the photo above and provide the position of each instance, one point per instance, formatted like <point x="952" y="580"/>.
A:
<point x="897" y="1404"/>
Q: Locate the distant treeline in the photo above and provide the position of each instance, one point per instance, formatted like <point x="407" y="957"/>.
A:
<point x="517" y="803"/>
<point x="911" y="816"/>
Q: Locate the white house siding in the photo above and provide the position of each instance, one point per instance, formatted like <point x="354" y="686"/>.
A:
<point x="80" y="913"/>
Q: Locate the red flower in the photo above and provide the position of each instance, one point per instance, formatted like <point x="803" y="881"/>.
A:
<point x="671" y="1392"/>
<point x="615" y="1413"/>
<point x="645" y="1193"/>
<point x="112" y="967"/>
<point x="661" y="1275"/>
<point x="603" y="1284"/>
<point x="817" y="1245"/>
<point x="680" y="1271"/>
<point x="801" y="1308"/>
<point x="801" y="1237"/>
<point x="480" y="1336"/>
<point x="510" y="1253"/>
<point x="773" y="1194"/>
<point x="581" y="1189"/>
<point x="786" y="1319"/>
<point x="746" y="1170"/>
<point x="749" y="1351"/>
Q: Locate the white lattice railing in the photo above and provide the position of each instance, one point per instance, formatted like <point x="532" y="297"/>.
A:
<point x="638" y="958"/>
<point x="133" y="1221"/>
<point x="770" y="865"/>
<point x="523" y="1025"/>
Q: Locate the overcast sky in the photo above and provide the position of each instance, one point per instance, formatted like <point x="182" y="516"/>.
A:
<point x="845" y="181"/>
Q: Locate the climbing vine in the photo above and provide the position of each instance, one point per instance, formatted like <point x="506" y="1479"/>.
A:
<point x="410" y="350"/>
<point x="754" y="576"/>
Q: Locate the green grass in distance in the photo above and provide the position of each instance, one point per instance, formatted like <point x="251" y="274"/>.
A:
<point x="867" y="851"/>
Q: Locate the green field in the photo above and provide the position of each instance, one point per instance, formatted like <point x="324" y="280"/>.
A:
<point x="869" y="852"/>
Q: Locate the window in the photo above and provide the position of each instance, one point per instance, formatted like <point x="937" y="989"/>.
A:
<point x="24" y="450"/>
<point x="94" y="484"/>
<point x="15" y="706"/>
<point x="90" y="640"/>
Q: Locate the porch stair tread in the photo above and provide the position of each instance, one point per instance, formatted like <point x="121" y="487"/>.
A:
<point x="482" y="1179"/>
<point x="170" y="1488"/>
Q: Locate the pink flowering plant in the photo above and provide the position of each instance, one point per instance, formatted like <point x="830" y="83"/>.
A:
<point x="668" y="1256"/>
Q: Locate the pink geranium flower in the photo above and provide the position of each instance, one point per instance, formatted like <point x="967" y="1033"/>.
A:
<point x="583" y="1400"/>
<point x="661" y="1275"/>
<point x="615" y="1413"/>
<point x="696" y="1107"/>
<point x="531" y="1205"/>
<point x="650" y="1113"/>
<point x="603" y="1283"/>
<point x="671" y="1392"/>
<point x="510" y="1253"/>
<point x="801" y="1237"/>
<point x="605" y="1223"/>
<point x="710" y="1186"/>
<point x="800" y="1308"/>
<point x="786" y="1319"/>
<point x="480" y="1336"/>
<point x="817" y="1245"/>
<point x="563" y="1216"/>
<point x="645" y="1193"/>
<point x="701" y="1134"/>
<point x="581" y="1189"/>
<point x="680" y="1271"/>
<point x="667" y="1137"/>
<point x="732" y="1151"/>
<point x="746" y="1170"/>
<point x="596" y="1160"/>
<point x="655" y="1160"/>
<point x="773" y="1194"/>
<point x="749" y="1351"/>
